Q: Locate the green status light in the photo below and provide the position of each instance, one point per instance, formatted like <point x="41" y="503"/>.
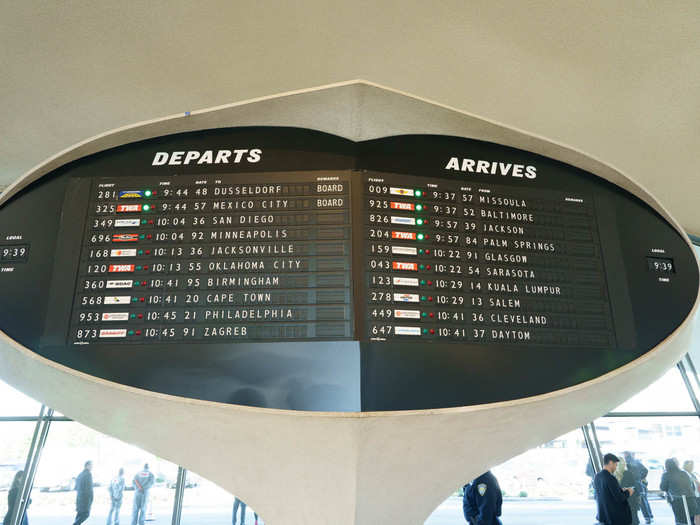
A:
<point x="146" y="207"/>
<point x="419" y="207"/>
<point x="418" y="193"/>
<point x="148" y="193"/>
<point x="419" y="222"/>
<point x="420" y="237"/>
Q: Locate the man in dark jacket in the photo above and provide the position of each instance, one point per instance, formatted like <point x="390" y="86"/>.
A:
<point x="83" y="499"/>
<point x="639" y="473"/>
<point x="612" y="500"/>
<point x="482" y="500"/>
<point x="634" y="474"/>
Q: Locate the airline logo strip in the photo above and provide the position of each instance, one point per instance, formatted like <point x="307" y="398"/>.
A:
<point x="404" y="250"/>
<point x="404" y="236"/>
<point x="396" y="265"/>
<point x="406" y="298"/>
<point x="122" y="268"/>
<point x="407" y="206"/>
<point x="125" y="237"/>
<point x="115" y="316"/>
<point x="130" y="252"/>
<point x="127" y="283"/>
<point x="113" y="333"/>
<point x="407" y="330"/>
<point x="117" y="299"/>
<point x="405" y="281"/>
<point x="129" y="208"/>
<point x="407" y="314"/>
<point x="131" y="194"/>
<point x="406" y="221"/>
<point x="404" y="192"/>
<point x="126" y="223"/>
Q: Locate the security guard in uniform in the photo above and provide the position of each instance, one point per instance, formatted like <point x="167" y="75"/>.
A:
<point x="482" y="501"/>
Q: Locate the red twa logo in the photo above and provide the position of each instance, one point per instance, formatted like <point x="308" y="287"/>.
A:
<point x="404" y="266"/>
<point x="406" y="236"/>
<point x="120" y="268"/>
<point x="403" y="206"/>
<point x="122" y="208"/>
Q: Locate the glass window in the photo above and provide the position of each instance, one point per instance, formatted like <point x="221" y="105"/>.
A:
<point x="652" y="440"/>
<point x="694" y="350"/>
<point x="668" y="394"/>
<point x="68" y="447"/>
<point x="15" y="438"/>
<point x="545" y="485"/>
<point x="206" y="502"/>
<point x="15" y="403"/>
<point x="691" y="366"/>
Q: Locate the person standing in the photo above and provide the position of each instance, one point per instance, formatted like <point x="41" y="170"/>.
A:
<point x="689" y="467"/>
<point x="644" y="496"/>
<point x="143" y="481"/>
<point x="676" y="484"/>
<point x="630" y="478"/>
<point x="639" y="473"/>
<point x="483" y="500"/>
<point x="613" y="508"/>
<point x="116" y="494"/>
<point x="237" y="503"/>
<point x="13" y="498"/>
<point x="83" y="498"/>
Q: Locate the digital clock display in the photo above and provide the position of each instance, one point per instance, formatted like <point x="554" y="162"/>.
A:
<point x="660" y="264"/>
<point x="14" y="252"/>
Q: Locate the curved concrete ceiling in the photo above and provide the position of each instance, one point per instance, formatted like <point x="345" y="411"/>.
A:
<point x="618" y="80"/>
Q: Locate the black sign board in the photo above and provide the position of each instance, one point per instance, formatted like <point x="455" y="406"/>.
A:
<point x="289" y="268"/>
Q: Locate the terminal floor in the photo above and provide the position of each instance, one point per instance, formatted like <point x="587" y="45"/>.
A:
<point x="543" y="512"/>
<point x="515" y="512"/>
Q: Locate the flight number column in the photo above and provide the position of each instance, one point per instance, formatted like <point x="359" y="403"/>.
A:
<point x="417" y="262"/>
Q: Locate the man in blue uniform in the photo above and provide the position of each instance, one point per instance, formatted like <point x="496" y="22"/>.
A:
<point x="613" y="508"/>
<point x="482" y="500"/>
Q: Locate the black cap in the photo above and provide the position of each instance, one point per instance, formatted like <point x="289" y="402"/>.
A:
<point x="607" y="458"/>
